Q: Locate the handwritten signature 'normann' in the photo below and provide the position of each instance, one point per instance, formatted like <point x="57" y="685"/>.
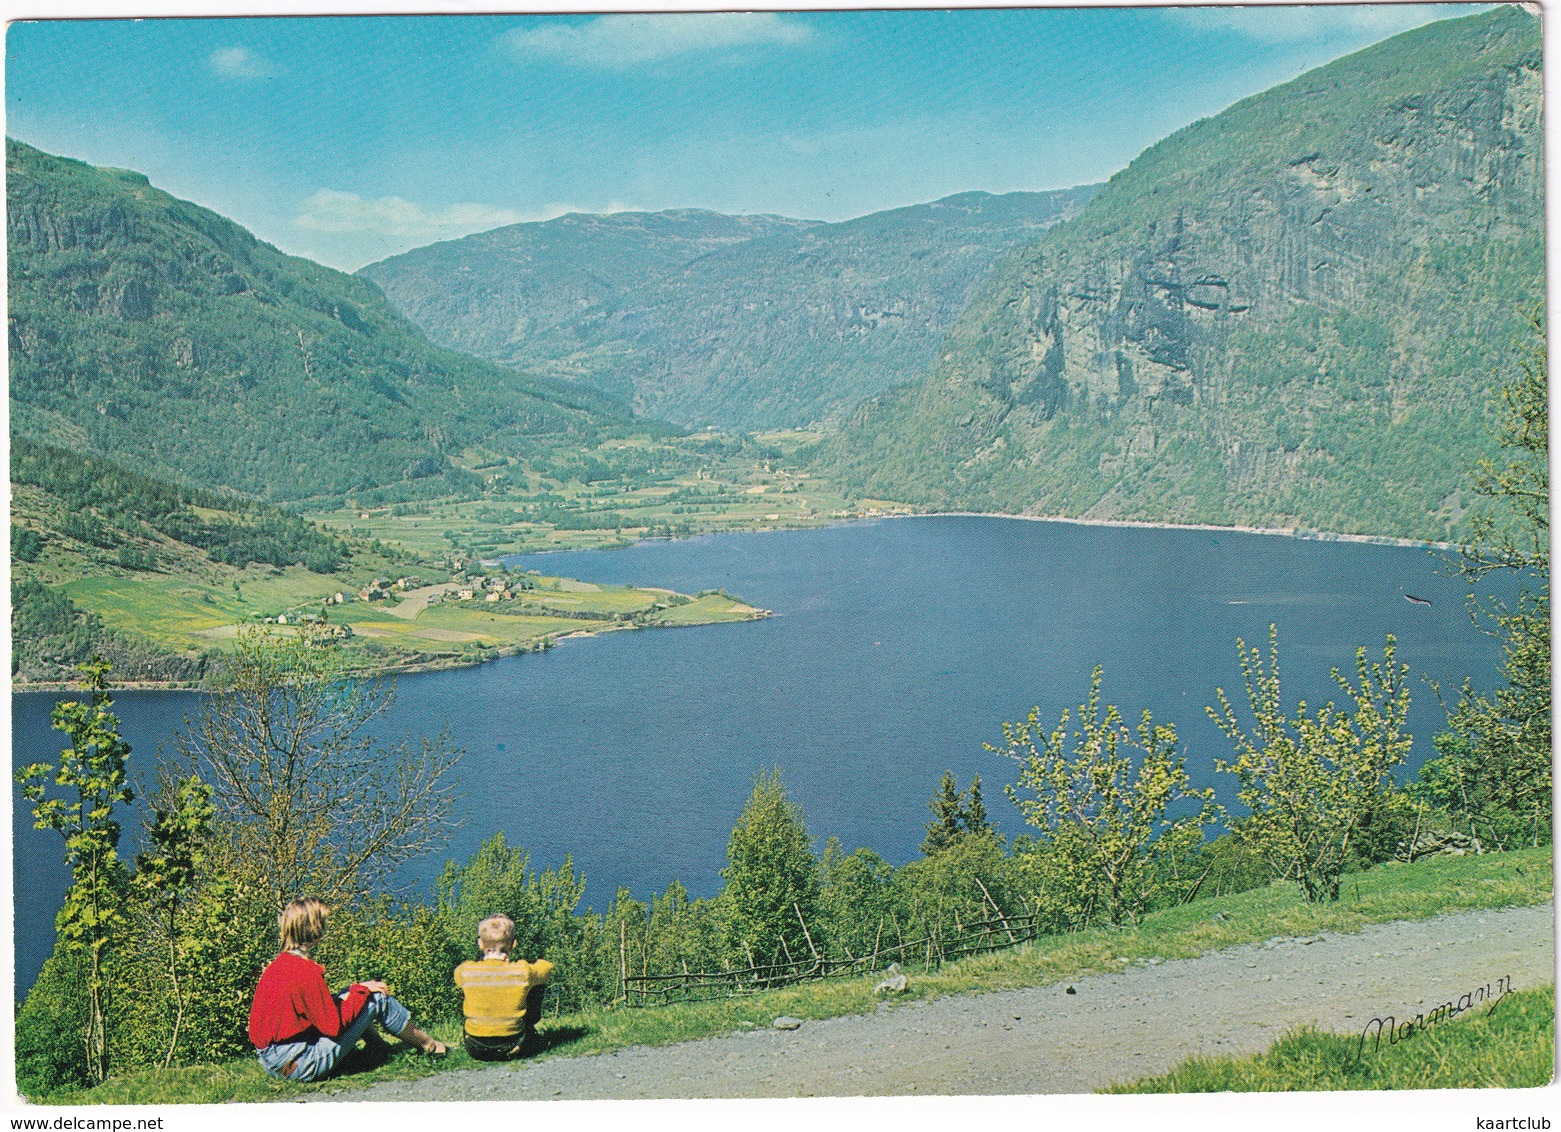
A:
<point x="1397" y="1031"/>
<point x="1407" y="1029"/>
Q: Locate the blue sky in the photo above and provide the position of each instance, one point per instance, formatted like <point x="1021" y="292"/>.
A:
<point x="350" y="139"/>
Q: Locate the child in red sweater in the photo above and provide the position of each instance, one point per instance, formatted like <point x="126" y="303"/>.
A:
<point x="298" y="1028"/>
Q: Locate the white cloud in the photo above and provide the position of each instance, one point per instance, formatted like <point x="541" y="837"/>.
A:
<point x="239" y="63"/>
<point x="621" y="41"/>
<point x="1286" y="24"/>
<point x="331" y="211"/>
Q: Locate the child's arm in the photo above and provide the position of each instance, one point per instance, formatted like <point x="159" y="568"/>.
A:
<point x="312" y="999"/>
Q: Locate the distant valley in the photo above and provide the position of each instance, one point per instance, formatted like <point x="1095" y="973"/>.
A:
<point x="1292" y="314"/>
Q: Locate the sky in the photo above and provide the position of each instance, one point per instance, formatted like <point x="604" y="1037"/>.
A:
<point x="350" y="139"/>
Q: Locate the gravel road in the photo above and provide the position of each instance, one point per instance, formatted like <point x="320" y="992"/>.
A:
<point x="1143" y="1020"/>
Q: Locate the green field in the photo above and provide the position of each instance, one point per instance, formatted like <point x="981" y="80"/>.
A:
<point x="184" y="602"/>
<point x="647" y="488"/>
<point x="396" y="633"/>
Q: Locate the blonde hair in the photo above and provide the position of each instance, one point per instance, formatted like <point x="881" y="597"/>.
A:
<point x="302" y="922"/>
<point x="496" y="933"/>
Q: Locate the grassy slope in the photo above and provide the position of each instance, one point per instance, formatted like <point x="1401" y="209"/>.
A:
<point x="1509" y="1045"/>
<point x="1383" y="894"/>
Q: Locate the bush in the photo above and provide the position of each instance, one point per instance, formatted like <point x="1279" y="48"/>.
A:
<point x="1230" y="864"/>
<point x="50" y="1051"/>
<point x="969" y="881"/>
<point x="499" y="879"/>
<point x="857" y="899"/>
<point x="406" y="947"/>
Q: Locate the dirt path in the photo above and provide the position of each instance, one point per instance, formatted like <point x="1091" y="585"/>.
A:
<point x="1143" y="1020"/>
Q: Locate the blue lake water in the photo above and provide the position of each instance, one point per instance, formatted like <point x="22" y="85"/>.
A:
<point x="897" y="649"/>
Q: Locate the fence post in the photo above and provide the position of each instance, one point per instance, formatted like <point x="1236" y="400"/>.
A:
<point x="805" y="934"/>
<point x="623" y="960"/>
<point x="999" y="911"/>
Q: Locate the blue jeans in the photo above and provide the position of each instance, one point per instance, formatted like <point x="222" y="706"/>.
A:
<point x="309" y="1061"/>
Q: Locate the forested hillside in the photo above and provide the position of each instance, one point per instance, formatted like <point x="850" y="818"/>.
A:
<point x="1292" y="313"/>
<point x="799" y="323"/>
<point x="158" y="333"/>
<point x="75" y="517"/>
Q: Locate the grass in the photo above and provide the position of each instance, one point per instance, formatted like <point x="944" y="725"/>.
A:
<point x="1508" y="1045"/>
<point x="1382" y="894"/>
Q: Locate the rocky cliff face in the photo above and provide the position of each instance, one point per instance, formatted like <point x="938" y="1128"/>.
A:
<point x="1289" y="313"/>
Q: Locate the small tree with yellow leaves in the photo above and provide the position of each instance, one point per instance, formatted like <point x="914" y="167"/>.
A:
<point x="1101" y="795"/>
<point x="1313" y="780"/>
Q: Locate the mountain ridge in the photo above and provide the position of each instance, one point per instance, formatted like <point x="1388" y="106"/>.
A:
<point x="157" y="333"/>
<point x="798" y="323"/>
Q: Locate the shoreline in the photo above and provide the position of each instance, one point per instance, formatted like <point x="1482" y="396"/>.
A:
<point x="1304" y="534"/>
<point x="447" y="664"/>
<point x="415" y="668"/>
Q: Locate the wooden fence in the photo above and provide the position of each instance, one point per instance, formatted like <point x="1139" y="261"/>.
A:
<point x="929" y="951"/>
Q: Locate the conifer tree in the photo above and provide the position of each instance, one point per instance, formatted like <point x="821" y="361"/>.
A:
<point x="973" y="817"/>
<point x="948" y="812"/>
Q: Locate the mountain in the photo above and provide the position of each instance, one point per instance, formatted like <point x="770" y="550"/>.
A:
<point x="797" y="323"/>
<point x="160" y="334"/>
<point x="488" y="293"/>
<point x="1292" y="313"/>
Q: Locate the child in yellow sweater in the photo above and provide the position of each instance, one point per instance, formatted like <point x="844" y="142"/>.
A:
<point x="503" y="1000"/>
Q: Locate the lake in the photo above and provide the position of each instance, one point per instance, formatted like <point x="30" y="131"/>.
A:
<point x="898" y="647"/>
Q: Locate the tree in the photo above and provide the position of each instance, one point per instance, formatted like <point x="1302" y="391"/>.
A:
<point x="312" y="801"/>
<point x="1314" y="781"/>
<point x="973" y="818"/>
<point x="92" y="772"/>
<point x="1495" y="766"/>
<point x="855" y="898"/>
<point x="1100" y="795"/>
<point x="947" y="811"/>
<point x="770" y="899"/>
<point x="168" y="874"/>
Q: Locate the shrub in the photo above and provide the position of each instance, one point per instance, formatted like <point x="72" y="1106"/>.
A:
<point x="51" y="1052"/>
<point x="1107" y="847"/>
